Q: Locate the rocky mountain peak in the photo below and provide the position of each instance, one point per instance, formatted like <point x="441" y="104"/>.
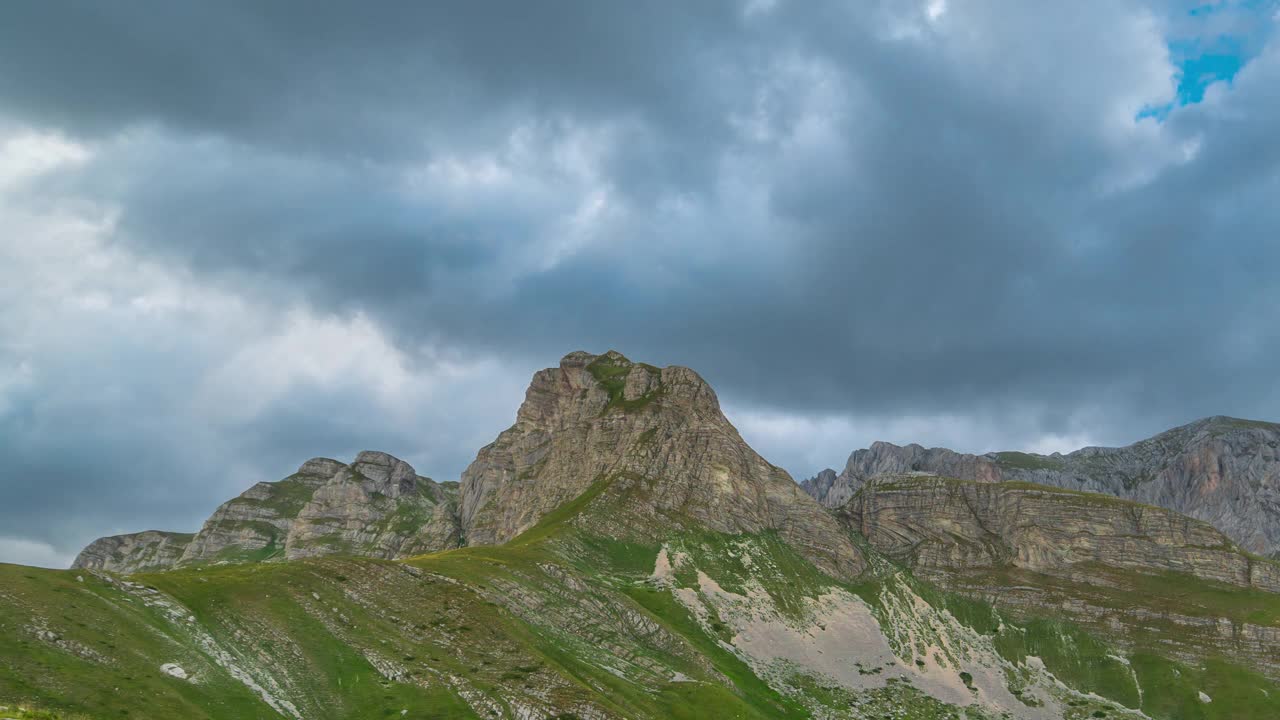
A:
<point x="654" y="444"/>
<point x="377" y="506"/>
<point x="385" y="473"/>
<point x="819" y="487"/>
<point x="320" y="467"/>
<point x="646" y="449"/>
<point x="586" y="385"/>
<point x="136" y="552"/>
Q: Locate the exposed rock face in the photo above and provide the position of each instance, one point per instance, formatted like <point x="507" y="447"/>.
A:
<point x="386" y="475"/>
<point x="136" y="552"/>
<point x="656" y="448"/>
<point x="377" y="507"/>
<point x="1101" y="562"/>
<point x="823" y="487"/>
<point x="650" y="444"/>
<point x="942" y="524"/>
<point x="884" y="458"/>
<point x="254" y="525"/>
<point x="1221" y="470"/>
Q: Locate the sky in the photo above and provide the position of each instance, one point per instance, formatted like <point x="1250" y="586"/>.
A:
<point x="237" y="235"/>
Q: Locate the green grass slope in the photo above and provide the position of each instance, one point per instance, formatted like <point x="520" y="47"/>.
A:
<point x="561" y="622"/>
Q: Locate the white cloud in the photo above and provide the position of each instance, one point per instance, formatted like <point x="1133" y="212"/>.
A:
<point x="21" y="551"/>
<point x="549" y="176"/>
<point x="782" y="188"/>
<point x="935" y="9"/>
<point x="806" y="443"/>
<point x="120" y="361"/>
<point x="25" y="154"/>
<point x="308" y="354"/>
<point x="302" y="350"/>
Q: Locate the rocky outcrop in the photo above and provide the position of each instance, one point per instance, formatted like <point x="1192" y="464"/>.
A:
<point x="136" y="552"/>
<point x="375" y="507"/>
<point x="648" y="450"/>
<point x="378" y="507"/>
<point x="254" y="525"/>
<point x="1222" y="470"/>
<point x="935" y="524"/>
<point x="823" y="485"/>
<point x="1142" y="576"/>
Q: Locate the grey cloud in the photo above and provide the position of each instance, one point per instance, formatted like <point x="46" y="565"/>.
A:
<point x="334" y="78"/>
<point x="830" y="210"/>
<point x="116" y="442"/>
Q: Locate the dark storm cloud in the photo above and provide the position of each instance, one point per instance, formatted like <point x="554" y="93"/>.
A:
<point x="858" y="211"/>
<point x="336" y="78"/>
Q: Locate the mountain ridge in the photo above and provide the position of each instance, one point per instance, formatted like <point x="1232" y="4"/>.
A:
<point x="1036" y="538"/>
<point x="1223" y="470"/>
<point x="621" y="552"/>
<point x="376" y="506"/>
<point x="655" y="439"/>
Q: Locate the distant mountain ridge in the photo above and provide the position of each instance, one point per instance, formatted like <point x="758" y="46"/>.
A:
<point x="1224" y="471"/>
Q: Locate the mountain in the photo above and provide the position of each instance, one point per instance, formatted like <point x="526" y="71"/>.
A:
<point x="1222" y="470"/>
<point x="656" y="449"/>
<point x="620" y="552"/>
<point x="1114" y="566"/>
<point x="651" y="443"/>
<point x="377" y="507"/>
<point x="135" y="552"/>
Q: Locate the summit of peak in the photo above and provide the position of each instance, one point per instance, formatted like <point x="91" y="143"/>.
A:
<point x="1226" y="421"/>
<point x="378" y="458"/>
<point x="615" y="357"/>
<point x="389" y="474"/>
<point x="321" y="467"/>
<point x="577" y="358"/>
<point x="651" y="451"/>
<point x="610" y="381"/>
<point x="583" y="358"/>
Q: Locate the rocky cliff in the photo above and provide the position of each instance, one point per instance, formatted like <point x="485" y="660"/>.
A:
<point x="135" y="552"/>
<point x="1222" y="470"/>
<point x="255" y="524"/>
<point x="375" y="507"/>
<point x="942" y="524"/>
<point x="1123" y="568"/>
<point x="656" y="453"/>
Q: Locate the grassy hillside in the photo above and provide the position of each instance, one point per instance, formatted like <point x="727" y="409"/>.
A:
<point x="564" y="623"/>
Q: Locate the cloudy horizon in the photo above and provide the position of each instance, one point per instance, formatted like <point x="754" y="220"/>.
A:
<point x="236" y="236"/>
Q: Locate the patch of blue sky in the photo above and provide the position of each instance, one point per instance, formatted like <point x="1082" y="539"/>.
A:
<point x="1221" y="38"/>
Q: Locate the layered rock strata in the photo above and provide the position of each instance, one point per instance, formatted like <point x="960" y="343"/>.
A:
<point x="935" y="524"/>
<point x="135" y="552"/>
<point x="1222" y="470"/>
<point x="1145" y="577"/>
<point x="375" y="507"/>
<point x="651" y="445"/>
